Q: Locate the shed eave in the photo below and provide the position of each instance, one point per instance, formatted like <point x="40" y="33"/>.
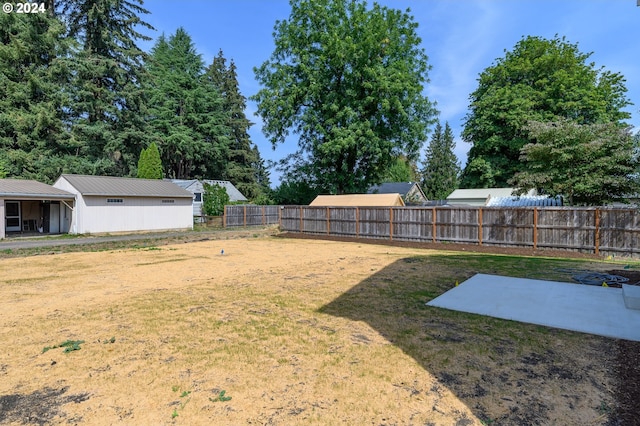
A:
<point x="31" y="196"/>
<point x="104" y="194"/>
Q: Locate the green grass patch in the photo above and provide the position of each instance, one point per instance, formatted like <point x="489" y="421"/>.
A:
<point x="68" y="345"/>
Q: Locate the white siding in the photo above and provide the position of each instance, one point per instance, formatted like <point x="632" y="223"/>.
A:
<point x="134" y="214"/>
<point x="71" y="221"/>
<point x="197" y="205"/>
<point x="93" y="215"/>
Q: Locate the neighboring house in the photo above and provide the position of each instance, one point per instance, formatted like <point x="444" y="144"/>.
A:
<point x="196" y="187"/>
<point x="411" y="193"/>
<point x="358" y="200"/>
<point x="31" y="206"/>
<point x="480" y="196"/>
<point x="106" y="204"/>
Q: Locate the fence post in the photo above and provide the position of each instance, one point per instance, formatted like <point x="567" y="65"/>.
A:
<point x="245" y="216"/>
<point x="328" y="224"/>
<point x="280" y="208"/>
<point x="433" y="224"/>
<point x="480" y="226"/>
<point x="391" y="223"/>
<point x="597" y="231"/>
<point x="357" y="222"/>
<point x="224" y="217"/>
<point x="535" y="228"/>
<point x="264" y="219"/>
<point x="301" y="225"/>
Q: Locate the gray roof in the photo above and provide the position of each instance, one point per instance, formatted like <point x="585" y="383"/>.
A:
<point x="22" y="188"/>
<point x="417" y="196"/>
<point x="125" y="187"/>
<point x="391" y="188"/>
<point x="183" y="183"/>
<point x="232" y="191"/>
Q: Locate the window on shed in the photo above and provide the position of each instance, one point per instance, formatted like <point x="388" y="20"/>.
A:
<point x="197" y="197"/>
<point x="115" y="201"/>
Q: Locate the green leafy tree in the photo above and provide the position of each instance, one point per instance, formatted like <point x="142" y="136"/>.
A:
<point x="348" y="81"/>
<point x="150" y="164"/>
<point x="587" y="164"/>
<point x="541" y="80"/>
<point x="215" y="198"/>
<point x="440" y="167"/>
<point x="293" y="191"/>
<point x="242" y="154"/>
<point x="401" y="170"/>
<point x="185" y="114"/>
<point x="108" y="105"/>
<point x="479" y="173"/>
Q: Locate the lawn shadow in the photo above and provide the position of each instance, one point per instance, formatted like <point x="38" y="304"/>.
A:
<point x="505" y="372"/>
<point x="41" y="407"/>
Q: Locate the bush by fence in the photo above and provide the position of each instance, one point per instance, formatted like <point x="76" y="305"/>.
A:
<point x="593" y="230"/>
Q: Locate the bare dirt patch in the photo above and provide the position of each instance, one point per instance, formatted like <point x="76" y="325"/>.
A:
<point x="280" y="331"/>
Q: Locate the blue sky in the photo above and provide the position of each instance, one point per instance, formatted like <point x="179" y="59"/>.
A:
<point x="460" y="37"/>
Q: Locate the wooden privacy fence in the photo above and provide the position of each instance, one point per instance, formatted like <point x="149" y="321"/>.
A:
<point x="251" y="215"/>
<point x="602" y="231"/>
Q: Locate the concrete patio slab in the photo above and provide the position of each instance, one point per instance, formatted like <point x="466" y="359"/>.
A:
<point x="576" y="307"/>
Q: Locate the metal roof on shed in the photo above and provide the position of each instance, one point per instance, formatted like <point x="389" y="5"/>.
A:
<point x="23" y="188"/>
<point x="480" y="193"/>
<point x="358" y="200"/>
<point x="125" y="187"/>
<point x="401" y="188"/>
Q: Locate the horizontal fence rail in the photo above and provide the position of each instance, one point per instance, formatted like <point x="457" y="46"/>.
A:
<point x="602" y="231"/>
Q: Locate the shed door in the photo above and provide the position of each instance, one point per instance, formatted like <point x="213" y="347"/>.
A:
<point x="54" y="218"/>
<point x="12" y="215"/>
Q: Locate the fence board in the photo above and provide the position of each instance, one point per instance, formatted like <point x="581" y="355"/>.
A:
<point x="603" y="230"/>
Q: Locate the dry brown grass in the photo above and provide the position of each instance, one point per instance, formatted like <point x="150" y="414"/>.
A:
<point x="293" y="331"/>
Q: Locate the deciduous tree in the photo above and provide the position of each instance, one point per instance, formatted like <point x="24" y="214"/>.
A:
<point x="347" y="81"/>
<point x="215" y="198"/>
<point x="541" y="80"/>
<point x="400" y="170"/>
<point x="587" y="164"/>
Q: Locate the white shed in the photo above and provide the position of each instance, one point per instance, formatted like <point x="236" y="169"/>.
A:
<point x="480" y="196"/>
<point x="113" y="205"/>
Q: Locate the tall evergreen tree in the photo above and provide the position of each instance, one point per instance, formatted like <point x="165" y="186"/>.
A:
<point x="34" y="88"/>
<point x="108" y="102"/>
<point x="440" y="167"/>
<point x="150" y="164"/>
<point x="261" y="172"/>
<point x="241" y="156"/>
<point x="186" y="112"/>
